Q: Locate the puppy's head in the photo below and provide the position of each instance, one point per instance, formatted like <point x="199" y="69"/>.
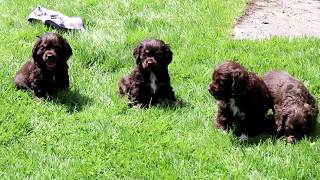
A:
<point x="50" y="50"/>
<point x="298" y="121"/>
<point x="229" y="79"/>
<point x="152" y="54"/>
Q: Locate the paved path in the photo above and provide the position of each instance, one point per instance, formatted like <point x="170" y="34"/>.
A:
<point x="290" y="18"/>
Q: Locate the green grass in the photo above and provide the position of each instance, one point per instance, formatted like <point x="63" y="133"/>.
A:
<point x="89" y="132"/>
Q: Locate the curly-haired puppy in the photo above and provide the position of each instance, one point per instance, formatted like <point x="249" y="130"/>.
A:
<point x="243" y="99"/>
<point x="149" y="81"/>
<point x="47" y="70"/>
<point x="295" y="109"/>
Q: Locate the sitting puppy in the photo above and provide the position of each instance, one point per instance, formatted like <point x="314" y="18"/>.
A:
<point x="295" y="109"/>
<point x="149" y="82"/>
<point x="243" y="99"/>
<point x="47" y="70"/>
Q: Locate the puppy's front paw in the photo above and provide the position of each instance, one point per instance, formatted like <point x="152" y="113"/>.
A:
<point x="39" y="99"/>
<point x="133" y="104"/>
<point x="292" y="139"/>
<point x="243" y="137"/>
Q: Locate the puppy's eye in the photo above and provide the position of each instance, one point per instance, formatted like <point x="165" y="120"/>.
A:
<point x="159" y="55"/>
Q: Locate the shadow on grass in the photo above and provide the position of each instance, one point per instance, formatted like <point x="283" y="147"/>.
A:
<point x="273" y="138"/>
<point x="265" y="132"/>
<point x="73" y="100"/>
<point x="163" y="104"/>
<point x="172" y="105"/>
<point x="253" y="141"/>
<point x="316" y="134"/>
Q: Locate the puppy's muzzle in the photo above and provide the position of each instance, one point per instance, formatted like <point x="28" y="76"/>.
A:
<point x="149" y="63"/>
<point x="212" y="88"/>
<point x="50" y="59"/>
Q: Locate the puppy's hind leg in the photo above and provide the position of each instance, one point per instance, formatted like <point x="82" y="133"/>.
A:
<point x="124" y="86"/>
<point x="21" y="82"/>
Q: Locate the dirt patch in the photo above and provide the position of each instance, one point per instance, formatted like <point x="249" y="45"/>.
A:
<point x="289" y="18"/>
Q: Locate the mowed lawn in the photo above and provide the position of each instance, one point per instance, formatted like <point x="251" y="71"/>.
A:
<point x="89" y="132"/>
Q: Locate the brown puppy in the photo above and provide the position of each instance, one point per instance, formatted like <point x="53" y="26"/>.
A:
<point x="149" y="81"/>
<point x="243" y="99"/>
<point x="47" y="70"/>
<point x="295" y="109"/>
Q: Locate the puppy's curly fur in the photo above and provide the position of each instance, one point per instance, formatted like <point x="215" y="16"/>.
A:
<point x="295" y="109"/>
<point x="149" y="81"/>
<point x="47" y="70"/>
<point x="243" y="99"/>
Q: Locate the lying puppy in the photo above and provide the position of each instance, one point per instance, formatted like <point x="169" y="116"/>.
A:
<point x="243" y="99"/>
<point x="149" y="82"/>
<point x="47" y="70"/>
<point x="295" y="109"/>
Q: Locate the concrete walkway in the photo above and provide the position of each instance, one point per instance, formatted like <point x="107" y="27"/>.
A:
<point x="289" y="18"/>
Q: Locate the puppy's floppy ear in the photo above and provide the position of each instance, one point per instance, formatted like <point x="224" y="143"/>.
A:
<point x="306" y="108"/>
<point x="168" y="53"/>
<point x="239" y="81"/>
<point x="137" y="52"/>
<point x="35" y="49"/>
<point x="67" y="50"/>
<point x="285" y="115"/>
<point x="310" y="113"/>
